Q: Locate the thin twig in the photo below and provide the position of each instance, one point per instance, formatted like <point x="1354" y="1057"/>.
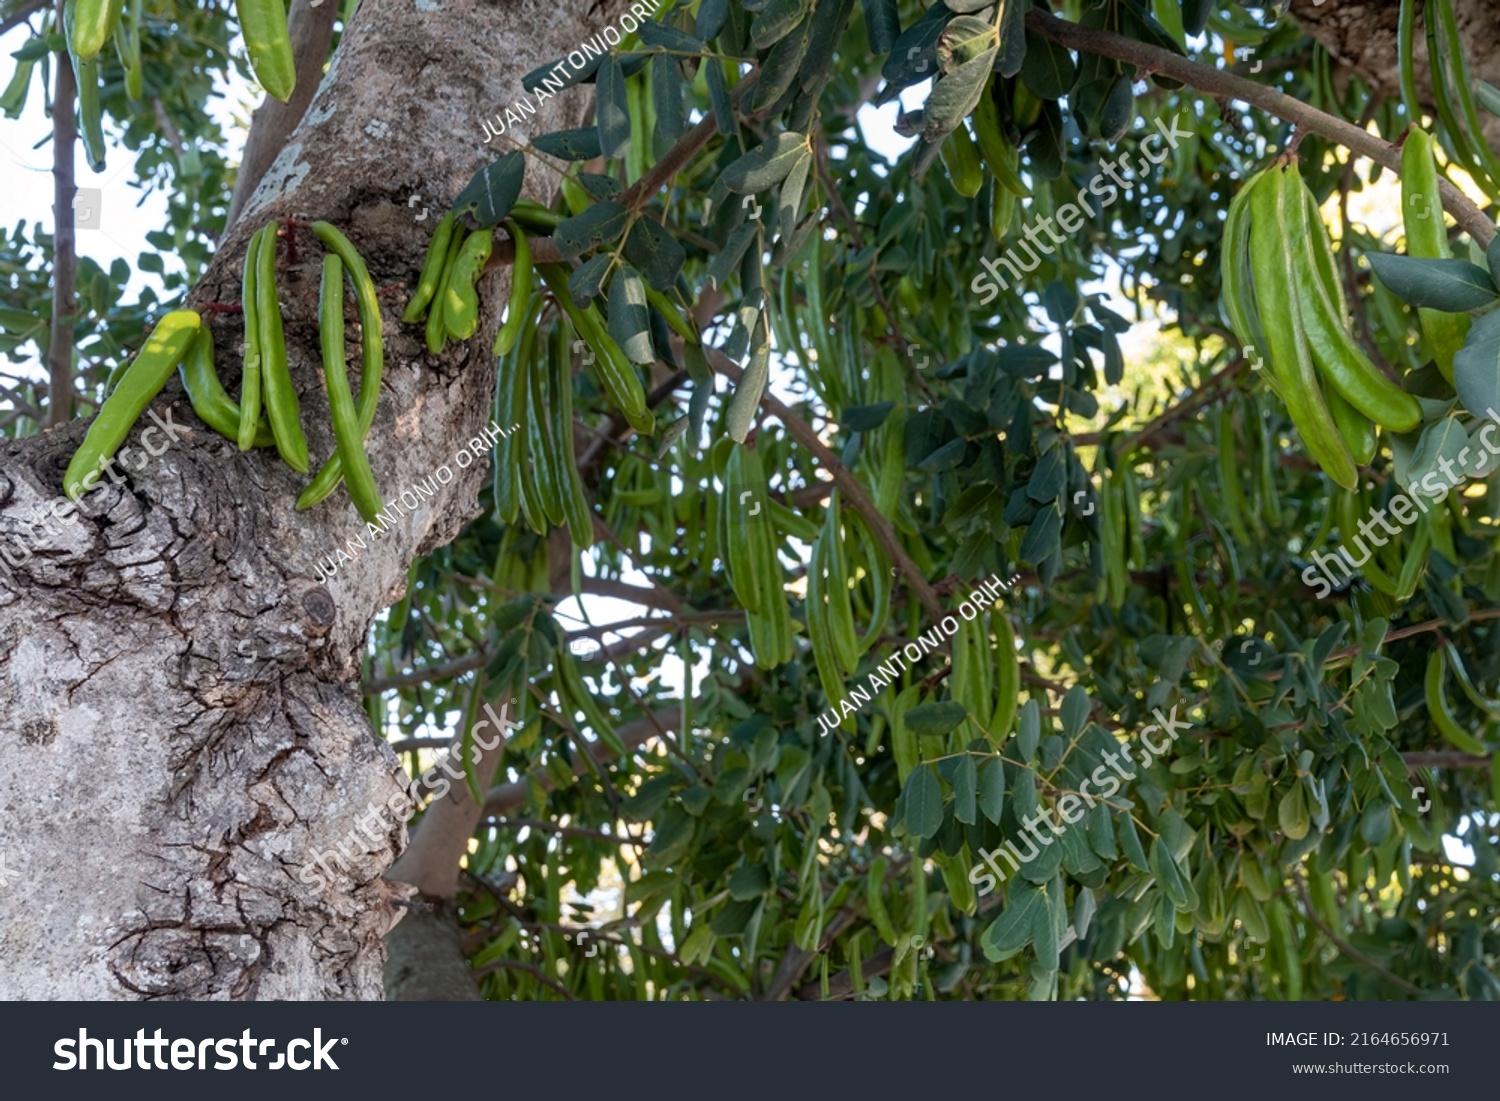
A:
<point x="65" y="255"/>
<point x="16" y="18"/>
<point x="1345" y="947"/>
<point x="854" y="493"/>
<point x="564" y="831"/>
<point x="1220" y="83"/>
<point x="529" y="968"/>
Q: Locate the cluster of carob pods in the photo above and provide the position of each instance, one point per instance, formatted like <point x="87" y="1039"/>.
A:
<point x="532" y="476"/>
<point x="183" y="343"/>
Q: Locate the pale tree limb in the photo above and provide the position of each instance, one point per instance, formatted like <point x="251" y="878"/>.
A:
<point x="311" y="31"/>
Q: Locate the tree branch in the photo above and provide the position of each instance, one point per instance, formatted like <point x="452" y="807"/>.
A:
<point x="64" y="246"/>
<point x="1200" y="397"/>
<point x="25" y="12"/>
<point x="1270" y="100"/>
<point x="311" y="30"/>
<point x="564" y="831"/>
<point x="507" y="797"/>
<point x="1443" y="758"/>
<point x="854" y="493"/>
<point x="1344" y="947"/>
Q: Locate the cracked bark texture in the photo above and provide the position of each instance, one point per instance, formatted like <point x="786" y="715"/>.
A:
<point x="1362" y="35"/>
<point x="183" y="722"/>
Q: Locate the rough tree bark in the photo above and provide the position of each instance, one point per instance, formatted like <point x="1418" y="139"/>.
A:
<point x="183" y="722"/>
<point x="1362" y="35"/>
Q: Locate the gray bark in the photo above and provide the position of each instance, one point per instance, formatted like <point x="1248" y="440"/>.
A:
<point x="183" y="726"/>
<point x="1363" y="34"/>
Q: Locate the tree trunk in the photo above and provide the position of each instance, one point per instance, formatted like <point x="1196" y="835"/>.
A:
<point x="184" y="728"/>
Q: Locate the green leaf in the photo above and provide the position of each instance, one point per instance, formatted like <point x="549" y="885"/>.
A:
<point x="728" y="259"/>
<point x="882" y="25"/>
<point x="599" y="187"/>
<point x="955" y="95"/>
<point x="1042" y="538"/>
<point x="1076" y="706"/>
<point x="1048" y="477"/>
<point x="1451" y="285"/>
<point x="598" y="224"/>
<point x="1029" y="730"/>
<point x="923" y="801"/>
<point x="653" y="249"/>
<point x="747" y="394"/>
<point x="629" y="317"/>
<point x="945" y="458"/>
<point x="1118" y="111"/>
<point x="1441" y="443"/>
<point x="1012" y="930"/>
<point x="569" y="76"/>
<point x="914" y="55"/>
<point x="493" y="190"/>
<point x="1195" y="15"/>
<point x="936" y="718"/>
<point x="1292" y="814"/>
<point x="1048" y="70"/>
<point x="674" y="833"/>
<point x="792" y="189"/>
<point x="963" y="40"/>
<point x="776" y="20"/>
<point x="991" y="793"/>
<point x="712" y="15"/>
<point x="732" y="919"/>
<point x="1130" y="842"/>
<point x="1167" y="874"/>
<point x="1083" y="912"/>
<point x="1012" y="54"/>
<point x="667" y="37"/>
<point x="766" y="165"/>
<point x="570" y="145"/>
<point x="587" y="278"/>
<point x="34" y="49"/>
<point x="780" y="68"/>
<point x="1476" y="367"/>
<point x="866" y="418"/>
<point x="828" y="24"/>
<point x="749" y="882"/>
<point x="965" y="790"/>
<point x="612" y="108"/>
<point x="1044" y="932"/>
<point x="718" y="96"/>
<point x="666" y="97"/>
